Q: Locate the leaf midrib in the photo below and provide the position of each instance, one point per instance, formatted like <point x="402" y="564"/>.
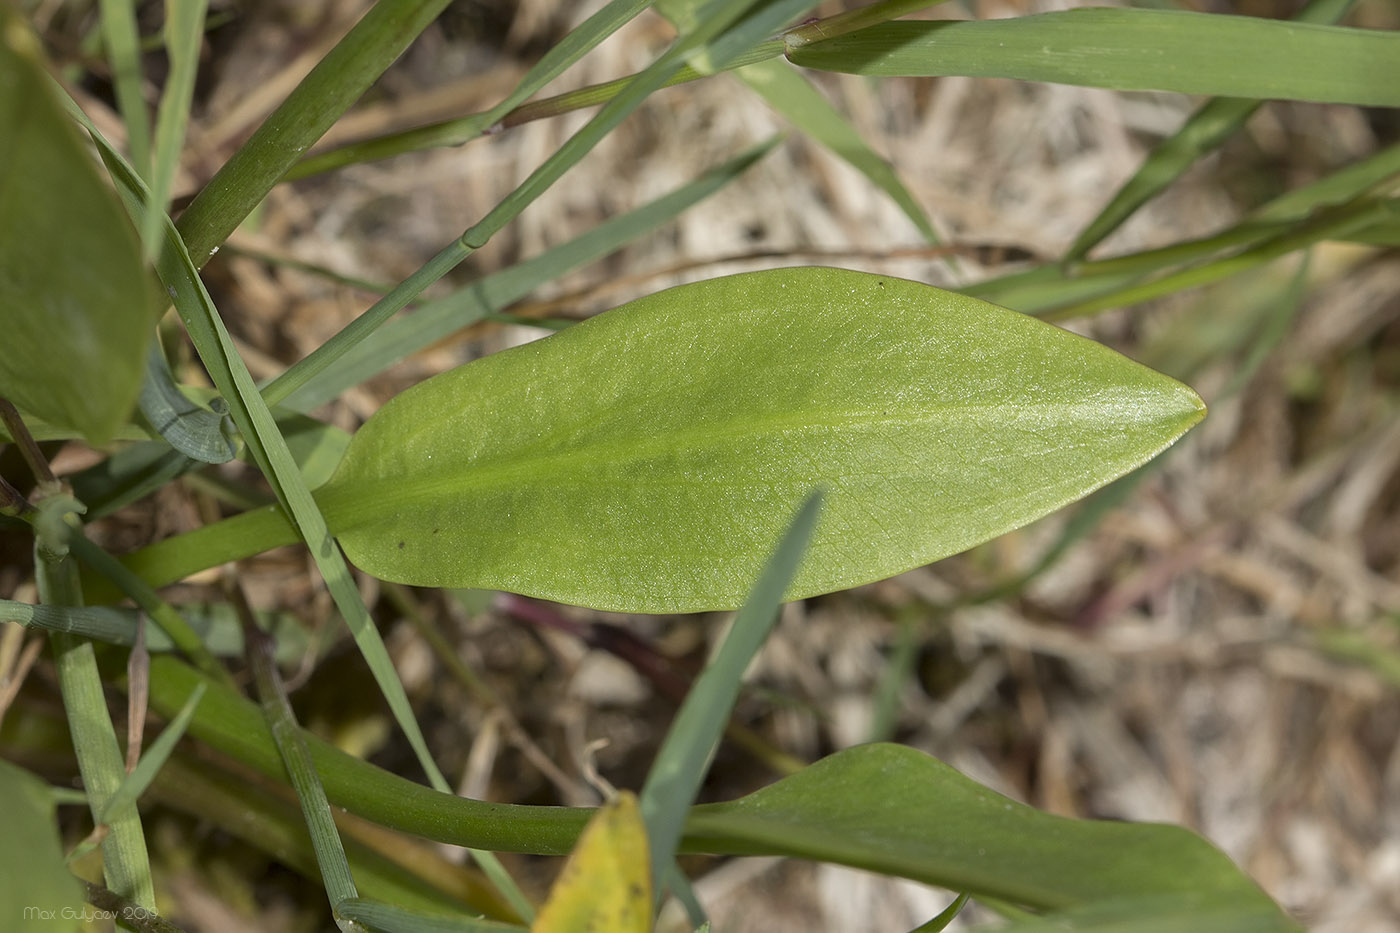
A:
<point x="358" y="498"/>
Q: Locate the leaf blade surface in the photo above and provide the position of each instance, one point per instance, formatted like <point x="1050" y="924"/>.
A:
<point x="644" y="460"/>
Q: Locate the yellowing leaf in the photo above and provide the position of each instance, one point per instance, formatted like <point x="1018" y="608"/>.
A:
<point x="605" y="886"/>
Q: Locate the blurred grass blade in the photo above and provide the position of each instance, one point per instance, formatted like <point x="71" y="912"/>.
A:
<point x="792" y="95"/>
<point x="569" y="50"/>
<point x="684" y="757"/>
<point x="455" y="132"/>
<point x="604" y="885"/>
<point x="438" y="318"/>
<point x="718" y="15"/>
<point x="1059" y="286"/>
<point x="390" y="918"/>
<point x="184" y="31"/>
<point x="152" y="760"/>
<point x="1332" y="224"/>
<point x="332" y="86"/>
<point x="1203" y="132"/>
<point x="74" y="308"/>
<point x="123" y="41"/>
<point x="198" y="433"/>
<point x="1134" y="50"/>
<point x="946" y="916"/>
<point x="32" y="870"/>
<point x="1339" y="187"/>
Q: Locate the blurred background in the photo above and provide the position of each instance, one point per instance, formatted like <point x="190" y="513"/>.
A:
<point x="1213" y="642"/>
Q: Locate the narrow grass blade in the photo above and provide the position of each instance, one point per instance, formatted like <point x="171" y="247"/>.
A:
<point x="123" y="42"/>
<point x="1058" y="286"/>
<point x="215" y="623"/>
<point x="685" y="753"/>
<point x="1203" y="132"/>
<point x="789" y="92"/>
<point x="125" y="863"/>
<point x="1133" y="49"/>
<point x="1335" y="224"/>
<point x="946" y="916"/>
<point x="268" y="447"/>
<point x="274" y="458"/>
<point x="152" y="760"/>
<point x="389" y="918"/>
<point x="569" y="50"/>
<point x="718" y="15"/>
<point x="184" y="30"/>
<point x="296" y="759"/>
<point x="440" y="317"/>
<point x="333" y="85"/>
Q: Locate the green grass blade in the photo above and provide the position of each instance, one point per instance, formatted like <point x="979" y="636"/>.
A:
<point x="332" y="86"/>
<point x="125" y="863"/>
<point x="267" y="444"/>
<point x="389" y="918"/>
<point x="170" y="622"/>
<point x="440" y="317"/>
<point x="1203" y="132"/>
<point x="946" y="916"/>
<point x="1341" y="186"/>
<point x="690" y="743"/>
<point x="1058" y="286"/>
<point x="274" y="458"/>
<point x="789" y="92"/>
<point x="296" y="759"/>
<point x="569" y="50"/>
<point x="1332" y="224"/>
<point x="719" y="14"/>
<point x="152" y="760"/>
<point x="1156" y="50"/>
<point x="123" y="42"/>
<point x="184" y="31"/>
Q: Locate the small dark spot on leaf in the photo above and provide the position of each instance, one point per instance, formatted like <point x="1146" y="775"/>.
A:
<point x="401" y="544"/>
<point x="436" y="530"/>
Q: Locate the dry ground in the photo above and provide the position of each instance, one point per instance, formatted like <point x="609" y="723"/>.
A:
<point x="1180" y="664"/>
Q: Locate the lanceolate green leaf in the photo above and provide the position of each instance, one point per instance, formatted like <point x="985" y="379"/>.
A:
<point x="74" y="309"/>
<point x="1161" y="50"/>
<point x="646" y="459"/>
<point x="888" y="808"/>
